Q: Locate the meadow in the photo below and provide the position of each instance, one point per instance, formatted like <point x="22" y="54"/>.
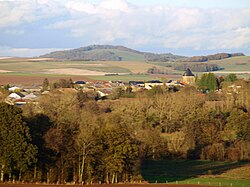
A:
<point x="197" y="172"/>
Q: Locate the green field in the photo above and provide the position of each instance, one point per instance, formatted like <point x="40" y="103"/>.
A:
<point x="129" y="56"/>
<point x="197" y="172"/>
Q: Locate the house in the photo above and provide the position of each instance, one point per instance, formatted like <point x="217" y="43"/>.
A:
<point x="104" y="92"/>
<point x="150" y="84"/>
<point x="32" y="89"/>
<point x="67" y="90"/>
<point x="188" y="77"/>
<point x="14" y="89"/>
<point x="79" y="83"/>
<point x="174" y="83"/>
<point x="16" y="96"/>
<point x="30" y="96"/>
<point x="136" y="83"/>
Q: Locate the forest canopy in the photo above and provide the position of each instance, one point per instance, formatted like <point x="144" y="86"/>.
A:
<point x="71" y="137"/>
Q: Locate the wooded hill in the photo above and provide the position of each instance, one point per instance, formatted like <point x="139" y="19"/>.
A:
<point x="121" y="53"/>
<point x="110" y="53"/>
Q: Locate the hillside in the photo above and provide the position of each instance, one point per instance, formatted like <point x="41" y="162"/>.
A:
<point x="110" y="53"/>
<point x="218" y="56"/>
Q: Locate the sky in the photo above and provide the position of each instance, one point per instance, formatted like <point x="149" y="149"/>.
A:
<point x="31" y="28"/>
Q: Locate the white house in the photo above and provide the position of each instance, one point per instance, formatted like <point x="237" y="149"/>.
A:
<point x="16" y="96"/>
<point x="104" y="92"/>
<point x="30" y="96"/>
<point x="14" y="88"/>
<point x="150" y="84"/>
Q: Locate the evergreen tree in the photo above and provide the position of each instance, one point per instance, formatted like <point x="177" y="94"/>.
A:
<point x="231" y="77"/>
<point x="208" y="82"/>
<point x="16" y="150"/>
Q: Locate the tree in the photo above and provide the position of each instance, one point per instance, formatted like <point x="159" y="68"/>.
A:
<point x="204" y="127"/>
<point x="16" y="150"/>
<point x="62" y="109"/>
<point x="119" y="151"/>
<point x="208" y="82"/>
<point x="86" y="140"/>
<point x="39" y="125"/>
<point x="239" y="121"/>
<point x="71" y="83"/>
<point x="231" y="77"/>
<point x="117" y="93"/>
<point x="45" y="84"/>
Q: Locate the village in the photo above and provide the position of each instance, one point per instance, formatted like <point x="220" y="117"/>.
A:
<point x="20" y="95"/>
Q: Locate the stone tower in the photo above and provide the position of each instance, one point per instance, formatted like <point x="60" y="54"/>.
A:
<point x="188" y="77"/>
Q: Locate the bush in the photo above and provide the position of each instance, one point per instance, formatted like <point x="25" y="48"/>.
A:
<point x="213" y="152"/>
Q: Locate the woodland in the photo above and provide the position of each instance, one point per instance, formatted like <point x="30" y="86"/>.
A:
<point x="73" y="137"/>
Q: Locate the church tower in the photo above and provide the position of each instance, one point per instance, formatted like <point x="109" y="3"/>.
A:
<point x="188" y="77"/>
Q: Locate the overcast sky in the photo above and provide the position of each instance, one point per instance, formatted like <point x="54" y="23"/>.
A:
<point x="184" y="27"/>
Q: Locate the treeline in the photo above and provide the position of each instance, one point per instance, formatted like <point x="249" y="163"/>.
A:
<point x="218" y="56"/>
<point x="168" y="57"/>
<point x="157" y="70"/>
<point x="69" y="137"/>
<point x="197" y="67"/>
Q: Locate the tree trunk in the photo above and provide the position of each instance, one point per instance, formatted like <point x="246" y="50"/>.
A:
<point x="107" y="178"/>
<point x="116" y="177"/>
<point x="49" y="175"/>
<point x="113" y="178"/>
<point x="35" y="173"/>
<point x="20" y="176"/>
<point x="153" y="151"/>
<point x="81" y="169"/>
<point x="2" y="173"/>
<point x="9" y="176"/>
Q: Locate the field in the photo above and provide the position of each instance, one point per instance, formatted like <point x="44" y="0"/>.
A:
<point x="25" y="70"/>
<point x="238" y="65"/>
<point x="197" y="172"/>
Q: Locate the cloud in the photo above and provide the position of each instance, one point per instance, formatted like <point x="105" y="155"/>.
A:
<point x="15" y="13"/>
<point x="196" y="28"/>
<point x="13" y="31"/>
<point x="104" y="6"/>
<point x="138" y="26"/>
<point x="25" y="52"/>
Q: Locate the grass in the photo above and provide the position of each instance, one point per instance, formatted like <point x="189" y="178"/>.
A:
<point x="133" y="66"/>
<point x="197" y="172"/>
<point x="126" y="55"/>
<point x="241" y="63"/>
<point x="215" y="182"/>
<point x="129" y="56"/>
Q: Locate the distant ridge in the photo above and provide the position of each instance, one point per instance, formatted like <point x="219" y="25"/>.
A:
<point x="110" y="53"/>
<point x="121" y="53"/>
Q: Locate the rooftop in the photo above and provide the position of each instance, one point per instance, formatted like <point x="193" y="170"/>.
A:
<point x="188" y="72"/>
